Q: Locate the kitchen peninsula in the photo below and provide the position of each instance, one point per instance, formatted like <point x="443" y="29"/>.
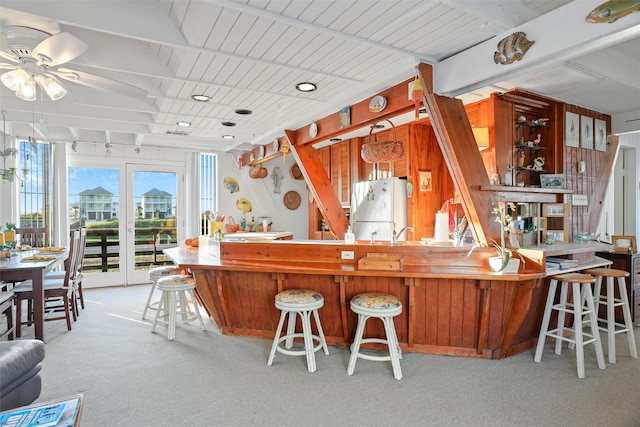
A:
<point x="452" y="303"/>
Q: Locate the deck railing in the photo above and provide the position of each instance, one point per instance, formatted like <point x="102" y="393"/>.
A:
<point x="103" y="248"/>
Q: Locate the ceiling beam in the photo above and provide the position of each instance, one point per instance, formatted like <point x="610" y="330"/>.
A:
<point x="564" y="33"/>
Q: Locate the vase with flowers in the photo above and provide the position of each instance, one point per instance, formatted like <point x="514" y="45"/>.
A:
<point x="503" y="261"/>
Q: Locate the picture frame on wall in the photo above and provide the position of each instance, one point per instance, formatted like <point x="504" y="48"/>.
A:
<point x="345" y="117"/>
<point x="600" y="135"/>
<point x="586" y="132"/>
<point x="572" y="130"/>
<point x="425" y="181"/>
<point x="555" y="181"/>
<point x="624" y="243"/>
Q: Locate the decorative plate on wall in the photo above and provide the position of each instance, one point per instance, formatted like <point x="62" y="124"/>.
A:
<point x="292" y="200"/>
<point x="275" y="145"/>
<point x="377" y="104"/>
<point x="295" y="172"/>
<point x="313" y="130"/>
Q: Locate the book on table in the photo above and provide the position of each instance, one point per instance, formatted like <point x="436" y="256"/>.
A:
<point x="59" y="413"/>
<point x="561" y="263"/>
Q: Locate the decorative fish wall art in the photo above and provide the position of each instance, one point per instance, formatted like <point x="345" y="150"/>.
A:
<point x="611" y="11"/>
<point x="231" y="184"/>
<point x="512" y="48"/>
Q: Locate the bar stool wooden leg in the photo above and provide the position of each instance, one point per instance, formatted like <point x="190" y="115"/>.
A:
<point x="545" y="320"/>
<point x="626" y="311"/>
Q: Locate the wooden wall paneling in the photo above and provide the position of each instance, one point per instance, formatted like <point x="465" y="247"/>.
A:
<point x="401" y="167"/>
<point x="470" y="316"/>
<point x="454" y="135"/>
<point x="425" y="155"/>
<point x="320" y="186"/>
<point x="345" y="172"/>
<point x="594" y="181"/>
<point x="336" y="170"/>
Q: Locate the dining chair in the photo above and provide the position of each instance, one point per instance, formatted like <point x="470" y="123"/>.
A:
<point x="36" y="237"/>
<point x="77" y="275"/>
<point x="58" y="293"/>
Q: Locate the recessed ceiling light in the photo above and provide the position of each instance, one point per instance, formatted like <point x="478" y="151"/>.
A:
<point x="229" y="124"/>
<point x="201" y="98"/>
<point x="306" y="87"/>
<point x="243" y="111"/>
<point x="183" y="124"/>
<point x="228" y="136"/>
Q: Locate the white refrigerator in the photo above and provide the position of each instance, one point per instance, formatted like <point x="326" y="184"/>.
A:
<point x="379" y="206"/>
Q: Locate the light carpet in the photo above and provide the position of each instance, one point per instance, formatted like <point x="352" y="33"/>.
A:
<point x="132" y="377"/>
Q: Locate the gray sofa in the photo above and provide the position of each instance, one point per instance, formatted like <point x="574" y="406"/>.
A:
<point x="20" y="364"/>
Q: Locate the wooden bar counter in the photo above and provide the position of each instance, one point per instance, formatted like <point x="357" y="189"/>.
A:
<point x="452" y="303"/>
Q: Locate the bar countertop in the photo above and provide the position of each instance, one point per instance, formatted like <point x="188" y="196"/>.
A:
<point x="452" y="303"/>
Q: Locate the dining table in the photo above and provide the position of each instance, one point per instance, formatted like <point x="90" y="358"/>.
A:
<point x="21" y="266"/>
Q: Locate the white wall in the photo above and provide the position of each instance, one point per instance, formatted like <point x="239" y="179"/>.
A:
<point x="610" y="220"/>
<point x="260" y="192"/>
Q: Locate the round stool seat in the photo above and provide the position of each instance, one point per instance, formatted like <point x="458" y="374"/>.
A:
<point x="574" y="278"/>
<point x="376" y="304"/>
<point x="384" y="307"/>
<point x="166" y="270"/>
<point x="176" y="282"/>
<point x="154" y="275"/>
<point x="303" y="303"/>
<point x="607" y="272"/>
<point x="299" y="299"/>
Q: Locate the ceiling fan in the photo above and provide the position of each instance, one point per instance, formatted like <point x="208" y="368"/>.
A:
<point x="34" y="58"/>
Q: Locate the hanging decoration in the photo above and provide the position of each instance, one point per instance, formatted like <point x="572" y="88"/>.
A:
<point x="277" y="176"/>
<point x="382" y="151"/>
<point x="7" y="173"/>
<point x="285" y="150"/>
<point x="107" y="152"/>
<point x="74" y="146"/>
<point x="417" y="93"/>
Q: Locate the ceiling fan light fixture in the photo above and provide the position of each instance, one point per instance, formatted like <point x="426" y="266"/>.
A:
<point x="54" y="89"/>
<point x="27" y="91"/>
<point x="306" y="87"/>
<point x="14" y="79"/>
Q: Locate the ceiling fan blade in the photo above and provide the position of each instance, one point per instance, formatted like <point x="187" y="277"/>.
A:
<point x="58" y="49"/>
<point x="97" y="82"/>
<point x="5" y="66"/>
<point x="9" y="57"/>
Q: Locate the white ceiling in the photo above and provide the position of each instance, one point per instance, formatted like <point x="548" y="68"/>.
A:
<point x="249" y="54"/>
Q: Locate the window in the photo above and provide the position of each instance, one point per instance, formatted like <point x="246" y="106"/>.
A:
<point x="208" y="188"/>
<point x="36" y="189"/>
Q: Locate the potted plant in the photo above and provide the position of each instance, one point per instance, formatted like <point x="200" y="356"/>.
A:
<point x="503" y="261"/>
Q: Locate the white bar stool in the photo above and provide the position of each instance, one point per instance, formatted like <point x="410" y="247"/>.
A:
<point x="581" y="285"/>
<point x="173" y="288"/>
<point x="611" y="302"/>
<point x="384" y="307"/>
<point x="302" y="302"/>
<point x="154" y="275"/>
